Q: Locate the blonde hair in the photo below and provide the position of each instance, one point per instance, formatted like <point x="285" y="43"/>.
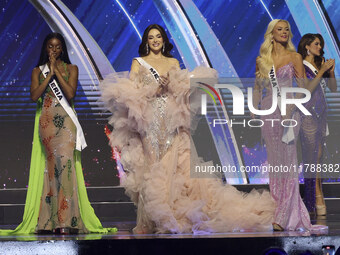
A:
<point x="265" y="61"/>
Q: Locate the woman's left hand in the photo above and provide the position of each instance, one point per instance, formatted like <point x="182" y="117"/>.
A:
<point x="163" y="82"/>
<point x="53" y="65"/>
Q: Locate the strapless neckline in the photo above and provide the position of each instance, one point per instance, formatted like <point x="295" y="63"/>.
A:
<point x="290" y="63"/>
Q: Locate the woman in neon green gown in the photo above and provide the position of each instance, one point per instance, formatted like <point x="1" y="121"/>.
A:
<point x="56" y="198"/>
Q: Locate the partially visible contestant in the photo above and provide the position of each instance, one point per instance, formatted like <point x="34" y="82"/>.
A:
<point x="151" y="120"/>
<point x="314" y="128"/>
<point x="276" y="66"/>
<point x="56" y="199"/>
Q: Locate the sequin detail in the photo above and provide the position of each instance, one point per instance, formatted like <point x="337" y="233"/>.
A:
<point x="147" y="80"/>
<point x="312" y="136"/>
<point x="59" y="201"/>
<point x="290" y="212"/>
<point x="159" y="135"/>
<point x="58" y="121"/>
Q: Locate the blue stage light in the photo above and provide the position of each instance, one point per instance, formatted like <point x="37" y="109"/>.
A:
<point x="265" y="7"/>
<point x="274" y="251"/>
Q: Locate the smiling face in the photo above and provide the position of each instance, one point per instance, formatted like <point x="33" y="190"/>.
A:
<point x="54" y="47"/>
<point x="155" y="40"/>
<point x="281" y="32"/>
<point x="315" y="47"/>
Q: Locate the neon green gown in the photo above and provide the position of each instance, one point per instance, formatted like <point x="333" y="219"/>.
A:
<point x="36" y="184"/>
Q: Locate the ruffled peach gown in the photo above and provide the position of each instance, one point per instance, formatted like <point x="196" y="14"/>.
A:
<point x="153" y="134"/>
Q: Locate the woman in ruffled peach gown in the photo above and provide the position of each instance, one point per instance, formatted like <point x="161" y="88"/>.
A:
<point x="151" y="120"/>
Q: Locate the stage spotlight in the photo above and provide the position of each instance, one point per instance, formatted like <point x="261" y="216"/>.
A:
<point x="274" y="251"/>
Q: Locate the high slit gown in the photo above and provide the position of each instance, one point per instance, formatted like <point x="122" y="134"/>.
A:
<point x="313" y="135"/>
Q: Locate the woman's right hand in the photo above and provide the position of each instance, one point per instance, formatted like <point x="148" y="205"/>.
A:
<point x="53" y="64"/>
<point x="163" y="85"/>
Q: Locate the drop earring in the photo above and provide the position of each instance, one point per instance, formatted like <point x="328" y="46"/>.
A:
<point x="163" y="48"/>
<point x="308" y="52"/>
<point x="147" y="49"/>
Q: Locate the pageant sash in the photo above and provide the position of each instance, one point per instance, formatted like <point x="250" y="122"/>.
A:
<point x="275" y="85"/>
<point x="323" y="84"/>
<point x="288" y="132"/>
<point x="152" y="70"/>
<point x="80" y="142"/>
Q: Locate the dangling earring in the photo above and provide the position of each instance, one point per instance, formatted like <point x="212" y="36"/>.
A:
<point x="163" y="48"/>
<point x="147" y="49"/>
<point x="308" y="52"/>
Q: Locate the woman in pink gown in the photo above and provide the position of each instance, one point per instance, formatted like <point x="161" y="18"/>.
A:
<point x="151" y="120"/>
<point x="278" y="51"/>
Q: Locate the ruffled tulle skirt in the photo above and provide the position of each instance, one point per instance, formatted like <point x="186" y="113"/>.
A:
<point x="168" y="199"/>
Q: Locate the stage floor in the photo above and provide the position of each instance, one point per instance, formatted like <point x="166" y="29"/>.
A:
<point x="124" y="242"/>
<point x="125" y="232"/>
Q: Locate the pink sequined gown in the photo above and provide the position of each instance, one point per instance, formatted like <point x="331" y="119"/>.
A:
<point x="291" y="212"/>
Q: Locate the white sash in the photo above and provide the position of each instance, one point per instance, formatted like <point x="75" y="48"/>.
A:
<point x="288" y="132"/>
<point x="323" y="84"/>
<point x="275" y="85"/>
<point x="152" y="70"/>
<point x="80" y="142"/>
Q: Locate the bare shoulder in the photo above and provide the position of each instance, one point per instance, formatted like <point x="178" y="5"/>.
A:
<point x="135" y="62"/>
<point x="36" y="71"/>
<point x="296" y="57"/>
<point x="135" y="65"/>
<point x="35" y="74"/>
<point x="173" y="62"/>
<point x="72" y="68"/>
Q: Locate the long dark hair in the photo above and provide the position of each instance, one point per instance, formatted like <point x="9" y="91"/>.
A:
<point x="43" y="59"/>
<point x="143" y="48"/>
<point x="307" y="39"/>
